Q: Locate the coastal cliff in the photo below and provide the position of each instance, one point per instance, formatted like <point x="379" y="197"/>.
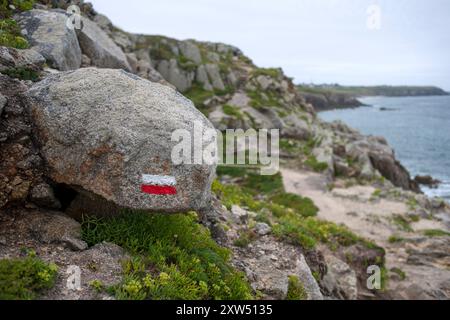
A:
<point x="86" y="122"/>
<point x="328" y="97"/>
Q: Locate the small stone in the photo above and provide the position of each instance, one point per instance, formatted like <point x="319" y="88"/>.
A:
<point x="20" y="191"/>
<point x="43" y="195"/>
<point x="263" y="229"/>
<point x="239" y="214"/>
<point x="75" y="244"/>
<point x="17" y="180"/>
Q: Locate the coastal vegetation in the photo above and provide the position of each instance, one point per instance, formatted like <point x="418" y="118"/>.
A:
<point x="173" y="257"/>
<point x="25" y="278"/>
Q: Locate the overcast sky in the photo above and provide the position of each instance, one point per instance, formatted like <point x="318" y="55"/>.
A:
<point x="320" y="41"/>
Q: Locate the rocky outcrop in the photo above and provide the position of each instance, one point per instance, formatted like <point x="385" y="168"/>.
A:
<point x="20" y="163"/>
<point x="120" y="129"/>
<point x="327" y="97"/>
<point x="28" y="59"/>
<point x="267" y="262"/>
<point x="56" y="238"/>
<point x="355" y="155"/>
<point x="102" y="51"/>
<point x="340" y="281"/>
<point x="47" y="33"/>
<point x="328" y="100"/>
<point x="79" y="142"/>
<point x="181" y="79"/>
<point x="427" y="181"/>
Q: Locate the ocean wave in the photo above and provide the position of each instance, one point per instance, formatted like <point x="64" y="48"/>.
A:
<point x="443" y="191"/>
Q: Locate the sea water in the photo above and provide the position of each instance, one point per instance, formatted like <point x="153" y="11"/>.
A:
<point x="418" y="128"/>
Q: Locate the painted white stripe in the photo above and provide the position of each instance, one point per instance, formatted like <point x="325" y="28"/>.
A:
<point x="158" y="180"/>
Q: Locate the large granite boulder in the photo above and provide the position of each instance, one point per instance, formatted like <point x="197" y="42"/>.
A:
<point x="47" y="33"/>
<point x="100" y="48"/>
<point x="101" y="131"/>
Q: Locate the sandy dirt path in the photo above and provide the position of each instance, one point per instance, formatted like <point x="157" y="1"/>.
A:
<point x="356" y="208"/>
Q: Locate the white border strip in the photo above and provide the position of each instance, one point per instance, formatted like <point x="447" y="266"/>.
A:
<point x="159" y="180"/>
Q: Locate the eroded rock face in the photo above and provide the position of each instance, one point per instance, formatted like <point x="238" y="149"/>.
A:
<point x="13" y="58"/>
<point x="102" y="51"/>
<point x="120" y="129"/>
<point x="47" y="33"/>
<point x="20" y="164"/>
<point x="340" y="281"/>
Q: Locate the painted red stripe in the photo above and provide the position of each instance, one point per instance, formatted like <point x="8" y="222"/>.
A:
<point x="160" y="190"/>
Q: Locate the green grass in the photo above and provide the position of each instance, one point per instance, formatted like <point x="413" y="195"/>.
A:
<point x="174" y="257"/>
<point x="186" y="64"/>
<point x="315" y="165"/>
<point x="245" y="238"/>
<point x="400" y="273"/>
<point x="97" y="285"/>
<point x="293" y="147"/>
<point x="232" y="171"/>
<point x="253" y="182"/>
<point x="304" y="206"/>
<point x="436" y="233"/>
<point x="161" y="51"/>
<point x="198" y="95"/>
<point x="266" y="185"/>
<point x="290" y="216"/>
<point x="10" y="35"/>
<point x="377" y="193"/>
<point x="258" y="100"/>
<point x="402" y="223"/>
<point x="412" y="204"/>
<point x="232" y="111"/>
<point x="26" y="278"/>
<point x="22" y="74"/>
<point x="296" y="290"/>
<point x="20" y="5"/>
<point x="269" y="72"/>
<point x="395" y="239"/>
<point x="308" y="232"/>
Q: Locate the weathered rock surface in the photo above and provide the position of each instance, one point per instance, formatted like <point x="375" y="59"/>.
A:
<point x="20" y="163"/>
<point x="3" y="101"/>
<point x="102" y="51"/>
<point x="47" y="33"/>
<point x="427" y="181"/>
<point x="370" y="156"/>
<point x="328" y="100"/>
<point x="181" y="79"/>
<point x="56" y="228"/>
<point x="11" y="58"/>
<point x="340" y="281"/>
<point x="269" y="264"/>
<point x="44" y="196"/>
<point x="120" y="128"/>
<point x="190" y="51"/>
<point x="55" y="238"/>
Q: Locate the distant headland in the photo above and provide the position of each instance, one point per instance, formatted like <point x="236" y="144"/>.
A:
<point x="334" y="96"/>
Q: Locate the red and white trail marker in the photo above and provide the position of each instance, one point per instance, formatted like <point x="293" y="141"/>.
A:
<point x="159" y="185"/>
